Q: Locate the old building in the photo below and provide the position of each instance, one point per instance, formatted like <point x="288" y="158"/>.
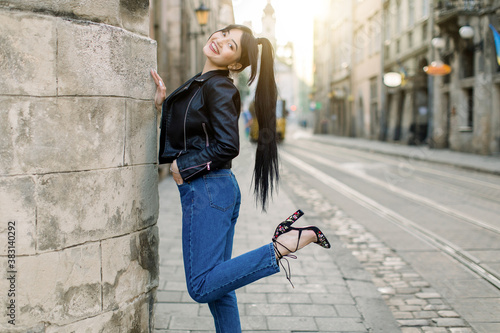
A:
<point x="347" y="88"/>
<point x="366" y="75"/>
<point x="406" y="44"/>
<point x="467" y="101"/>
<point x="359" y="43"/>
<point x="332" y="89"/>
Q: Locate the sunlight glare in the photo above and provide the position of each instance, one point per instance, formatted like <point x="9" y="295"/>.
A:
<point x="294" y="23"/>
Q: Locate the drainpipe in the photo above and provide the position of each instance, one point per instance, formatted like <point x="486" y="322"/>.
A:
<point x="430" y="85"/>
<point x="383" y="102"/>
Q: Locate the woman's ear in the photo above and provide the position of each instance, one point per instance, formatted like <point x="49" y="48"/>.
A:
<point x="234" y="67"/>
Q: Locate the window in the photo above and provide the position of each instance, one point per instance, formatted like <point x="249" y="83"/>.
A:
<point x="467" y="60"/>
<point x="373" y="105"/>
<point x="387" y="24"/>
<point x="411" y="13"/>
<point x="410" y="39"/>
<point x="425" y="8"/>
<point x="424" y="32"/>
<point x="377" y="30"/>
<point x="373" y="89"/>
<point x="447" y="78"/>
<point x="399" y="10"/>
<point x="358" y="46"/>
<point x="374" y="36"/>
<point x="469" y="104"/>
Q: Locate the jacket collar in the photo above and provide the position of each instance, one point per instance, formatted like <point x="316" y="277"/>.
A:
<point x="198" y="78"/>
<point x="208" y="75"/>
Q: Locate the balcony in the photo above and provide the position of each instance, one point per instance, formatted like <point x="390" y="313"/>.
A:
<point x="450" y="10"/>
<point x="459" y="5"/>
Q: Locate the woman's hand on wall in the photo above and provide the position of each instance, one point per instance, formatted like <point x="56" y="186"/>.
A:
<point x="161" y="90"/>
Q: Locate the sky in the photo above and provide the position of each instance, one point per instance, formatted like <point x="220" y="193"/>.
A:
<point x="294" y="22"/>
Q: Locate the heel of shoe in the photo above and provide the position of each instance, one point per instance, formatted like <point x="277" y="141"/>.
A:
<point x="295" y="216"/>
<point x="285" y="225"/>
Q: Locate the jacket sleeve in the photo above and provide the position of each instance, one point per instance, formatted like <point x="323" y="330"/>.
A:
<point x="222" y="101"/>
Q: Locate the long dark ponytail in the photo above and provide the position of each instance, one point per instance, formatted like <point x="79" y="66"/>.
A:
<point x="266" y="169"/>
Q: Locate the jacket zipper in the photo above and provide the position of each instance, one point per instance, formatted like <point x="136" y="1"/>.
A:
<point x="206" y="134"/>
<point x="185" y="117"/>
<point x="207" y="165"/>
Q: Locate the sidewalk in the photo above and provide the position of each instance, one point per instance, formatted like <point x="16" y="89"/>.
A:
<point x="487" y="164"/>
<point x="333" y="293"/>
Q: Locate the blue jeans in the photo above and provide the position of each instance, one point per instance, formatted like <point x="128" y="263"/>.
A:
<point x="210" y="207"/>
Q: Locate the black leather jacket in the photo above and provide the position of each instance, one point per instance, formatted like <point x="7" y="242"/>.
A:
<point x="207" y="138"/>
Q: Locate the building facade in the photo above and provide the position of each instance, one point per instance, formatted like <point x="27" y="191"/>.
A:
<point x="332" y="88"/>
<point x="347" y="89"/>
<point x="467" y="101"/>
<point x="406" y="44"/>
<point x="366" y="74"/>
<point x="459" y="110"/>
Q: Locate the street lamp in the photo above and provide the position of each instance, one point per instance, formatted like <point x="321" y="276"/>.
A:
<point x="392" y="79"/>
<point x="202" y="18"/>
<point x="202" y="15"/>
<point x="467" y="33"/>
<point x="439" y="43"/>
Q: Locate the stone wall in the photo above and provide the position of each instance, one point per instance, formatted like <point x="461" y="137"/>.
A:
<point x="78" y="173"/>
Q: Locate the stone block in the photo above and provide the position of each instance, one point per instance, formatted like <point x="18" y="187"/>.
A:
<point x="447" y="322"/>
<point x="102" y="60"/>
<point x="131" y="317"/>
<point x="27" y="54"/>
<point x="141" y="137"/>
<point x="341" y="325"/>
<point x="132" y="15"/>
<point x="428" y="295"/>
<point x="78" y="207"/>
<point x="61" y="134"/>
<point x="92" y="10"/>
<point x="57" y="287"/>
<point x="18" y="211"/>
<point x="188" y="324"/>
<point x="129" y="267"/>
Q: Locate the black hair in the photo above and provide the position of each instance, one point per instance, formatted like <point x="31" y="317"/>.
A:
<point x="266" y="168"/>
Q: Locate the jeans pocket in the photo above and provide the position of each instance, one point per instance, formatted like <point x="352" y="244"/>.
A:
<point x="221" y="191"/>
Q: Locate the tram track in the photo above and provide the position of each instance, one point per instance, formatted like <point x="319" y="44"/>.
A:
<point x="404" y="162"/>
<point x="404" y="193"/>
<point x="460" y="255"/>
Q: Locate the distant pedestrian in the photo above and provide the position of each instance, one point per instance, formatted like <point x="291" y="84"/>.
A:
<point x="247" y="118"/>
<point x="199" y="137"/>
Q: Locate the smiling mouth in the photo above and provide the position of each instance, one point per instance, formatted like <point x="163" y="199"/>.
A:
<point x="214" y="48"/>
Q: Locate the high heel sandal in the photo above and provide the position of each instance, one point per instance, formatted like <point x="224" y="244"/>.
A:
<point x="285" y="225"/>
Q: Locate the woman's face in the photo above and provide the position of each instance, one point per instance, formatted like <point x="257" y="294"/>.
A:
<point x="223" y="49"/>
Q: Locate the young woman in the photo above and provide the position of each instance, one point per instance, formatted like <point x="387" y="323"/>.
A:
<point x="199" y="137"/>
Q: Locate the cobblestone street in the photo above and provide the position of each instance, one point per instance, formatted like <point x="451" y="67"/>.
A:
<point x="415" y="305"/>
